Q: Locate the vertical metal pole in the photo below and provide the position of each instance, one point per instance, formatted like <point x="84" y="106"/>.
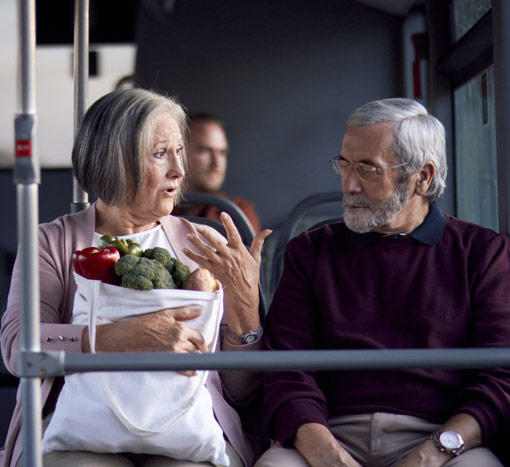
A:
<point x="27" y="178"/>
<point x="31" y="387"/>
<point x="439" y="90"/>
<point x="81" y="74"/>
<point x="501" y="47"/>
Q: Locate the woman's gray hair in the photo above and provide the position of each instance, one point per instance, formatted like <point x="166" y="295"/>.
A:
<point x="115" y="136"/>
<point x="419" y="137"/>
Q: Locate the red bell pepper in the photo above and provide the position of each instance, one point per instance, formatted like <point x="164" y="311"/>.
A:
<point x="97" y="263"/>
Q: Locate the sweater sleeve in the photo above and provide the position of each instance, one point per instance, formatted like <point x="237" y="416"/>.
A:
<point x="293" y="398"/>
<point x="486" y="397"/>
<point x="54" y="305"/>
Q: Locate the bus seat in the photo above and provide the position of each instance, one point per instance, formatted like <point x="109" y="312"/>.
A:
<point x="300" y="219"/>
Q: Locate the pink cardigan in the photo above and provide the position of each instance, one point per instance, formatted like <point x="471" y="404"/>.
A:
<point x="57" y="242"/>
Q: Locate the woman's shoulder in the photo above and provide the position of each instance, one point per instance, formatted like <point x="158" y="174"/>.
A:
<point x="80" y="224"/>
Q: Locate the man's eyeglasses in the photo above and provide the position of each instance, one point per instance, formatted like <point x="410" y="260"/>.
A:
<point x="365" y="172"/>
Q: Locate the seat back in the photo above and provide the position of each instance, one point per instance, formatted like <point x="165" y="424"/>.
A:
<point x="289" y="228"/>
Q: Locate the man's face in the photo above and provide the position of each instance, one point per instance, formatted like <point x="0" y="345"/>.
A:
<point x="372" y="204"/>
<point x="207" y="150"/>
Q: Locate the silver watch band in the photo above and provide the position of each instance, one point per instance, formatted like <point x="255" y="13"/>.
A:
<point x="246" y="338"/>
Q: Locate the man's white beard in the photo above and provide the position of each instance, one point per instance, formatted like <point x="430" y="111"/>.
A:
<point x="375" y="214"/>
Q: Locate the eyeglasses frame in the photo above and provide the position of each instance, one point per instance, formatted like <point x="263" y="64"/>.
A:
<point x="354" y="166"/>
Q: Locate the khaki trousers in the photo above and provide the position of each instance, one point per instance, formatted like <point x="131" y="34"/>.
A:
<point x="378" y="440"/>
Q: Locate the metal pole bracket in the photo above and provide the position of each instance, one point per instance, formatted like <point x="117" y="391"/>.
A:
<point x="26" y="168"/>
<point x="41" y="364"/>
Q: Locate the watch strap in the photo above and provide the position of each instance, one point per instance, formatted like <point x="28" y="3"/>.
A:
<point x="246" y="338"/>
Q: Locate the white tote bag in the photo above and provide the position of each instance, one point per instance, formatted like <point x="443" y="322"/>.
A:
<point x="162" y="413"/>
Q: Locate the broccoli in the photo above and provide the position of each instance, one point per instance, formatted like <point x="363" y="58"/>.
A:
<point x="143" y="274"/>
<point x="133" y="281"/>
<point x="180" y="273"/>
<point x="125" y="264"/>
<point x="157" y="269"/>
<point x="162" y="255"/>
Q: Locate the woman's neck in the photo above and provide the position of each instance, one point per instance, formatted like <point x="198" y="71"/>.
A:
<point x="118" y="220"/>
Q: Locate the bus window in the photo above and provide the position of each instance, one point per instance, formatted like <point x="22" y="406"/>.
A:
<point x="475" y="150"/>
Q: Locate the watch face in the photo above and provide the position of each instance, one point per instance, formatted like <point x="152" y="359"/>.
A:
<point x="450" y="439"/>
<point x="250" y="338"/>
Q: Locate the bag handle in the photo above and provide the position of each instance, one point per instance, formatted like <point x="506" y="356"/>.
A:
<point x="93" y="315"/>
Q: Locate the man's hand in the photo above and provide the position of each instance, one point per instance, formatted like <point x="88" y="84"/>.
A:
<point x="425" y="455"/>
<point x="161" y="331"/>
<point x="428" y="454"/>
<point x="320" y="448"/>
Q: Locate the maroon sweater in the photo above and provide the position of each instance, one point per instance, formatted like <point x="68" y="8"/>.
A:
<point x="445" y="285"/>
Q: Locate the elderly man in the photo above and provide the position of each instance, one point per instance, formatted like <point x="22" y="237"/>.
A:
<point x="207" y="153"/>
<point x="397" y="273"/>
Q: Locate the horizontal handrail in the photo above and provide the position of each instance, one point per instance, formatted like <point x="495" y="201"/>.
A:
<point x="57" y="363"/>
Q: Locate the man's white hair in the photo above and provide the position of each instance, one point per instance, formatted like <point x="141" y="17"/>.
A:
<point x="419" y="137"/>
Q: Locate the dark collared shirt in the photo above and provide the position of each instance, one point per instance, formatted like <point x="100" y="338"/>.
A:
<point x="428" y="232"/>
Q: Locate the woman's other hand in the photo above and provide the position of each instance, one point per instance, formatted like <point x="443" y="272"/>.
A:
<point x="237" y="268"/>
<point x="161" y="331"/>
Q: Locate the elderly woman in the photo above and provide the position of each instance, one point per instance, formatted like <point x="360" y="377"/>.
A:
<point x="129" y="152"/>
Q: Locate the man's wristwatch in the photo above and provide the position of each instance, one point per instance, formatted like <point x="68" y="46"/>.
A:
<point x="449" y="442"/>
<point x="247" y="338"/>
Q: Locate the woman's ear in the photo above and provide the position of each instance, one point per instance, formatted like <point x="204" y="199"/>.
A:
<point x="425" y="177"/>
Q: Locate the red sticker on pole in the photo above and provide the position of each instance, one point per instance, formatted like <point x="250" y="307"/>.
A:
<point x="23" y="148"/>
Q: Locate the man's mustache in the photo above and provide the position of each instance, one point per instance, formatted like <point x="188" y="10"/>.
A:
<point x="356" y="200"/>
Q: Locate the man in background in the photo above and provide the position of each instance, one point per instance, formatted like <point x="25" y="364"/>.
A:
<point x="207" y="154"/>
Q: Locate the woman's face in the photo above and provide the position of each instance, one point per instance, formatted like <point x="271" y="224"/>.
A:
<point x="164" y="171"/>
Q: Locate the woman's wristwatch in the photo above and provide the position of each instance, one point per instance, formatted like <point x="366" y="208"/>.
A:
<point x="449" y="442"/>
<point x="247" y="338"/>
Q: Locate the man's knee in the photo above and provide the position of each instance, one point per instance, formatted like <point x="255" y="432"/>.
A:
<point x="475" y="457"/>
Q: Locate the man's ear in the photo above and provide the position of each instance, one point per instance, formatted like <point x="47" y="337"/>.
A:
<point x="425" y="177"/>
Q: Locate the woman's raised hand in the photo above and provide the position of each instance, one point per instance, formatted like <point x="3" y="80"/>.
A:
<point x="237" y="268"/>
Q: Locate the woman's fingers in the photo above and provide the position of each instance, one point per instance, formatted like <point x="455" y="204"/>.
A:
<point x="194" y="344"/>
<point x="231" y="263"/>
<point x="197" y="340"/>
<point x="188" y="339"/>
<point x="199" y="259"/>
<point x="218" y="247"/>
<point x="258" y="243"/>
<point x="233" y="235"/>
<point x="215" y="243"/>
<point x="185" y="313"/>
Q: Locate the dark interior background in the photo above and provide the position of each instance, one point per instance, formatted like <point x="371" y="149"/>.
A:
<point x="283" y="76"/>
